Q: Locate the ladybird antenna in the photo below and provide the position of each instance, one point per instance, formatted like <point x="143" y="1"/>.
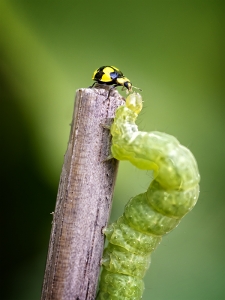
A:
<point x="137" y="88"/>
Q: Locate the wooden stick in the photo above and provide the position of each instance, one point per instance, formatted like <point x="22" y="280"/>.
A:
<point x="84" y="200"/>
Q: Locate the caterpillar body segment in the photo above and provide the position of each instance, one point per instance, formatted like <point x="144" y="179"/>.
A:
<point x="150" y="215"/>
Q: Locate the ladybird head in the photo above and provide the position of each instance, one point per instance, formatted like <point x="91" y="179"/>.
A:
<point x="128" y="85"/>
<point x="123" y="81"/>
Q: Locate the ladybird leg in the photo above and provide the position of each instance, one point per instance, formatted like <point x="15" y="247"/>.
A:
<point x="112" y="87"/>
<point x="127" y="91"/>
<point x="92" y="85"/>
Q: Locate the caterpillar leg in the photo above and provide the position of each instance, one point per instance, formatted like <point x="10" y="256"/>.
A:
<point x="105" y="126"/>
<point x="108" y="158"/>
<point x="108" y="127"/>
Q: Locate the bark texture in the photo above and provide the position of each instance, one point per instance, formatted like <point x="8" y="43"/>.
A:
<point x="84" y="200"/>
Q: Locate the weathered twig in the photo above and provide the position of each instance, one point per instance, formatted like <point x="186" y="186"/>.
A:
<point x="84" y="200"/>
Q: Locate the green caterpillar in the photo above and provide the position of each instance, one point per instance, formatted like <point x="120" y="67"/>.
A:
<point x="148" y="216"/>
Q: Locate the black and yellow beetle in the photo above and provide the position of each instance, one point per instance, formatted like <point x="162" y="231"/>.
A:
<point x="112" y="76"/>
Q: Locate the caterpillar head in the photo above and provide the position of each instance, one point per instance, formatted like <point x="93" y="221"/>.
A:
<point x="134" y="102"/>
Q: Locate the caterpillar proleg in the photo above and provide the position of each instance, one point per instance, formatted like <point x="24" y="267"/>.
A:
<point x="148" y="216"/>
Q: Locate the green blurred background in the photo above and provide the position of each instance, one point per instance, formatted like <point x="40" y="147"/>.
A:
<point x="174" y="51"/>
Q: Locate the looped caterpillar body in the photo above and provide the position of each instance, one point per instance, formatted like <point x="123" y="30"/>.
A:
<point x="148" y="216"/>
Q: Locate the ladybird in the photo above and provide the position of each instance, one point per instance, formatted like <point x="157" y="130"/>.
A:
<point x="112" y="76"/>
